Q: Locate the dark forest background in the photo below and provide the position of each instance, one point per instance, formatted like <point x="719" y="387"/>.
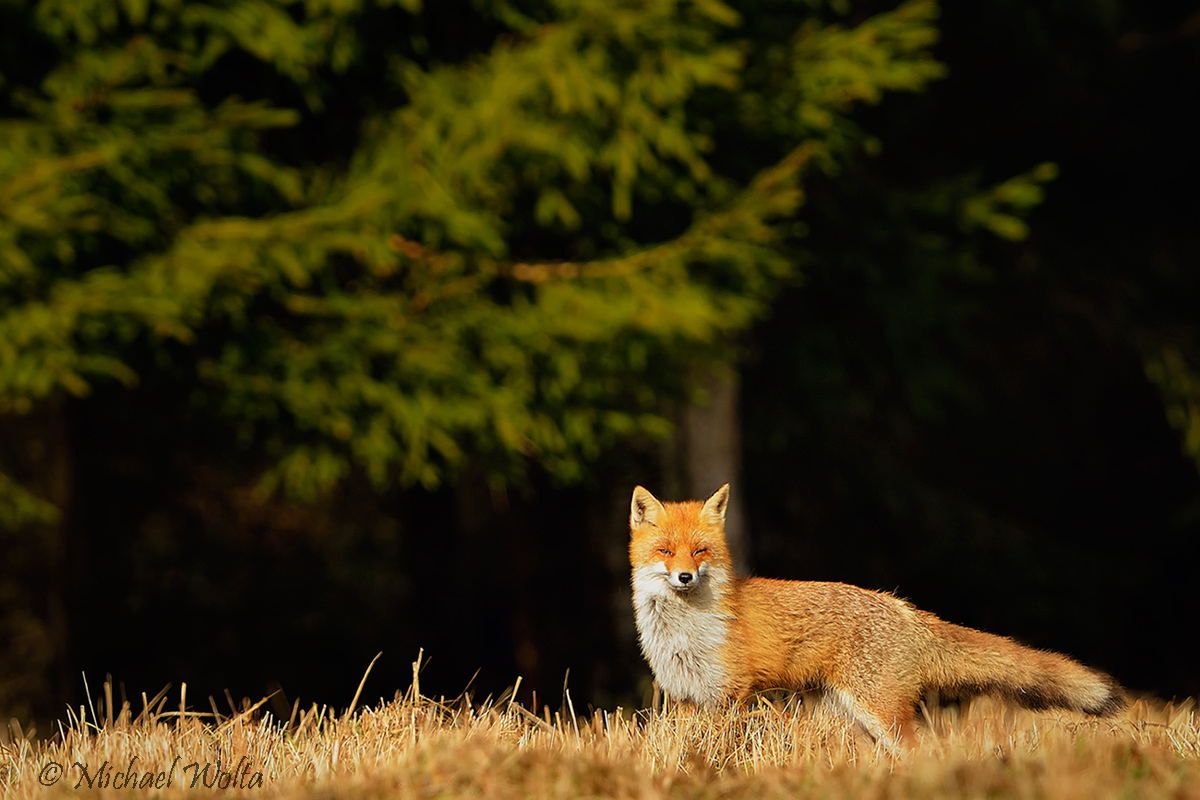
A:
<point x="329" y="328"/>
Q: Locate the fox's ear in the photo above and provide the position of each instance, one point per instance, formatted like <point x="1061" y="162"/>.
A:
<point x="714" y="507"/>
<point x="644" y="508"/>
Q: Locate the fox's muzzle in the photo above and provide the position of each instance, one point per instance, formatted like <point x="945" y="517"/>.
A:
<point x="683" y="580"/>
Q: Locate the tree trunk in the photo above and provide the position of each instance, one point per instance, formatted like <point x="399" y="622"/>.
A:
<point x="712" y="456"/>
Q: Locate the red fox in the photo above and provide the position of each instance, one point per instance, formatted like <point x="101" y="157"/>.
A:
<point x="712" y="637"/>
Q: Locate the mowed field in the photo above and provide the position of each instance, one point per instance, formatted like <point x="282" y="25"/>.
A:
<point x="415" y="746"/>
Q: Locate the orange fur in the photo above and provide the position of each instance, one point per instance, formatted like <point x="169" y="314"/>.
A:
<point x="712" y="637"/>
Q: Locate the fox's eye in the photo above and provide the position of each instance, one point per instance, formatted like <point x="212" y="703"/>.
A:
<point x="701" y="550"/>
<point x="665" y="551"/>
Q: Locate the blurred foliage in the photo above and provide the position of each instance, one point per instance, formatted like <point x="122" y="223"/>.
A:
<point x="532" y="235"/>
<point x="964" y="401"/>
<point x="1002" y="208"/>
<point x="1178" y="381"/>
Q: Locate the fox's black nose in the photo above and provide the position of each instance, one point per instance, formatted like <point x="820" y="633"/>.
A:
<point x="685" y="578"/>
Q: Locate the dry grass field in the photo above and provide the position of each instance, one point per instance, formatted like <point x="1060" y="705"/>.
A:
<point x="417" y="747"/>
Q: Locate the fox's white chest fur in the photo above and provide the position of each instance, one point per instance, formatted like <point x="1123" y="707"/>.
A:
<point x="683" y="633"/>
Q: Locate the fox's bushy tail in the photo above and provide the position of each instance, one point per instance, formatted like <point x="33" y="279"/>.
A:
<point x="967" y="662"/>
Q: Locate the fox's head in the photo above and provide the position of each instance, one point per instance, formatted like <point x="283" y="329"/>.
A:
<point x="678" y="546"/>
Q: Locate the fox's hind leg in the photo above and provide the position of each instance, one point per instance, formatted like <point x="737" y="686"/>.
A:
<point x="888" y="723"/>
